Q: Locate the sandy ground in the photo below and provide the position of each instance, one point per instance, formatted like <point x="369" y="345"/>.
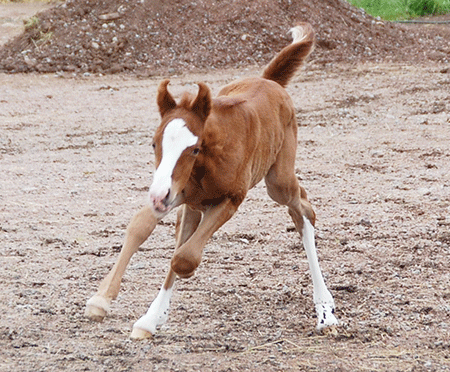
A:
<point x="373" y="154"/>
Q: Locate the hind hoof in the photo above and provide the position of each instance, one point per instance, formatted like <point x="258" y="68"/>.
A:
<point x="329" y="331"/>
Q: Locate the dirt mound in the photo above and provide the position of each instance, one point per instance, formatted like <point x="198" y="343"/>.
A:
<point x="150" y="37"/>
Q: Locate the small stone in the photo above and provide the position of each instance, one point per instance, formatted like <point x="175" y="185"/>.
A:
<point x="109" y="16"/>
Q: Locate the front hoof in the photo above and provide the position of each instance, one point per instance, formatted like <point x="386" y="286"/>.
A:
<point x="95" y="313"/>
<point x="140" y="334"/>
<point x="96" y="309"/>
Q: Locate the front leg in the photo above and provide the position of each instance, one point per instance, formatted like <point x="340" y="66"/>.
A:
<point x="158" y="313"/>
<point x="139" y="229"/>
<point x="188" y="256"/>
<point x="192" y="236"/>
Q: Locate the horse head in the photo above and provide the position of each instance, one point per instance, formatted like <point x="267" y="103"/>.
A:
<point x="177" y="144"/>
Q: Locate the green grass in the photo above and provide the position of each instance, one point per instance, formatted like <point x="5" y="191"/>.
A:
<point x="401" y="9"/>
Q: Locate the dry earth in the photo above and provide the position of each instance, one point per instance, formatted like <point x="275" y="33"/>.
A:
<point x="374" y="156"/>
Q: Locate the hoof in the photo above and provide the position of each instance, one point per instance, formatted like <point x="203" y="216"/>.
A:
<point x="140" y="334"/>
<point x="96" y="309"/>
<point x="95" y="313"/>
<point x="329" y="331"/>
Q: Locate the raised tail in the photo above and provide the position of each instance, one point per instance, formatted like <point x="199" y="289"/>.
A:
<point x="286" y="63"/>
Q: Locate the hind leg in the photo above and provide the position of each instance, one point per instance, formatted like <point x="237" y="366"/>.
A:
<point x="283" y="187"/>
<point x="323" y="299"/>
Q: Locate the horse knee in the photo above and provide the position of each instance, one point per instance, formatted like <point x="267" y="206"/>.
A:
<point x="184" y="264"/>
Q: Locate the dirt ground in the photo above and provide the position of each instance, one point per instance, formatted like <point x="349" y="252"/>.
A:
<point x="373" y="154"/>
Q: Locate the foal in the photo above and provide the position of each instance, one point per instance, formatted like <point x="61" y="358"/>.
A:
<point x="209" y="153"/>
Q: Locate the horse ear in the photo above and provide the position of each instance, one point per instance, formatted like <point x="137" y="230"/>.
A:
<point x="164" y="99"/>
<point x="202" y="104"/>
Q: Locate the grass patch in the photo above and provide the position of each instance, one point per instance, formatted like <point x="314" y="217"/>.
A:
<point x="31" y="22"/>
<point x="402" y="9"/>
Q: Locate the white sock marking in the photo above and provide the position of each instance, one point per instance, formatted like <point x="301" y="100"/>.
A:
<point x="323" y="299"/>
<point x="158" y="312"/>
<point x="176" y="138"/>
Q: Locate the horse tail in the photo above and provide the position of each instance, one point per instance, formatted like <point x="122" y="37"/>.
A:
<point x="286" y="63"/>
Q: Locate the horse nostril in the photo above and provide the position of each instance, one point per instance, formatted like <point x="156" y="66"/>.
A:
<point x="166" y="198"/>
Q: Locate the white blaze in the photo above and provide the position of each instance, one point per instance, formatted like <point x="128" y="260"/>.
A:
<point x="176" y="138"/>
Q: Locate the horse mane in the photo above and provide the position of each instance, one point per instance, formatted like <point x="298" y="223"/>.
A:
<point x="186" y="100"/>
<point x="224" y="102"/>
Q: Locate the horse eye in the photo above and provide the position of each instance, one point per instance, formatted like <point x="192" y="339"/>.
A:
<point x="195" y="151"/>
<point x="154" y="145"/>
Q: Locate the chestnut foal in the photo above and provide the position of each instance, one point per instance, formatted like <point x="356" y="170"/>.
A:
<point x="209" y="153"/>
